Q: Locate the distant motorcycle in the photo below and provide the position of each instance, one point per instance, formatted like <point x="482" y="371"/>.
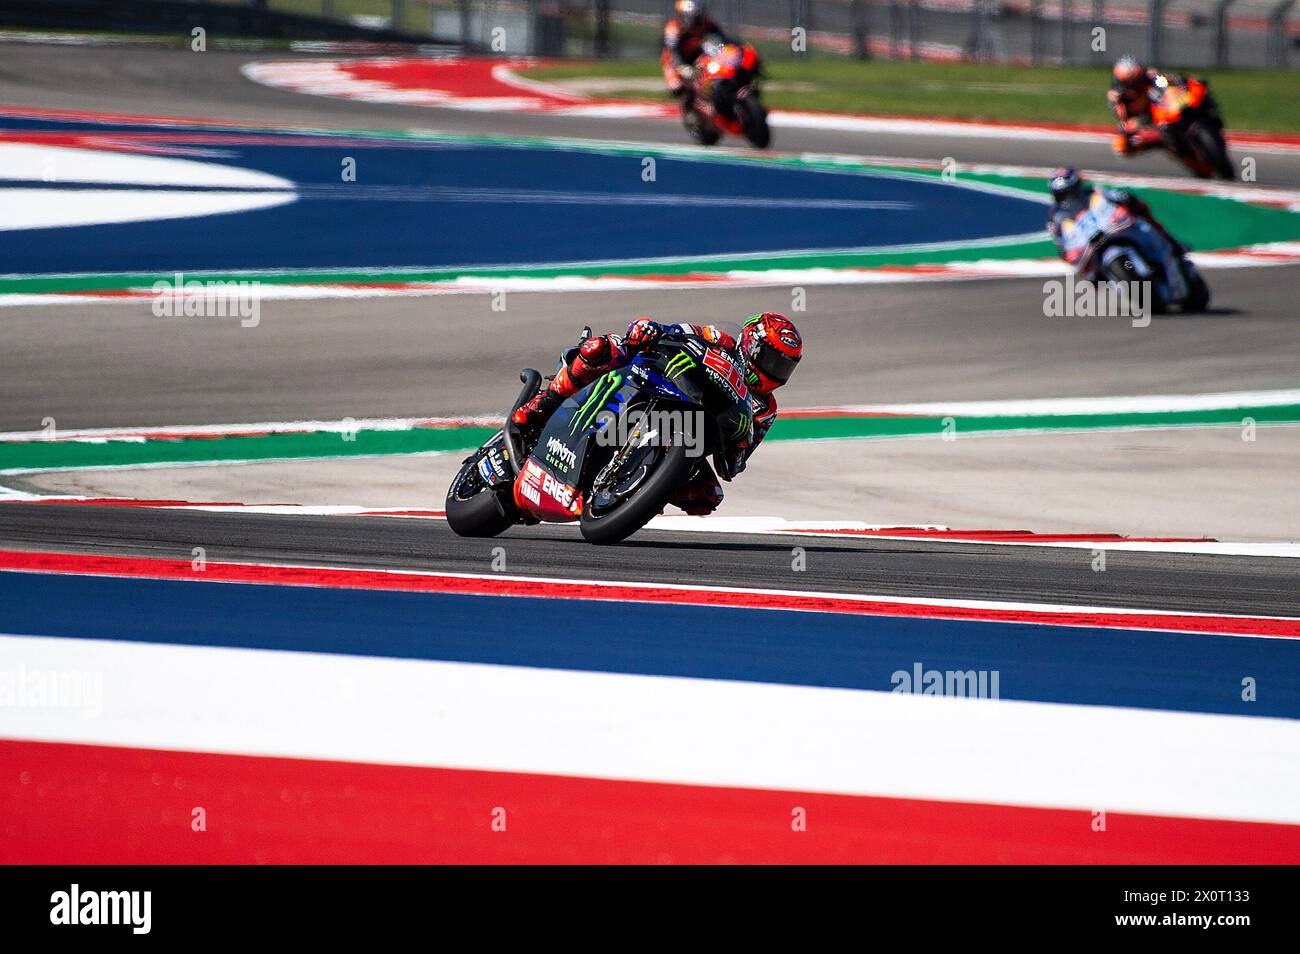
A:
<point x="1108" y="244"/>
<point x="611" y="456"/>
<point x="724" y="96"/>
<point x="1186" y="119"/>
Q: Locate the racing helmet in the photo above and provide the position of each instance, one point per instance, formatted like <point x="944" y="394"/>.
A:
<point x="770" y="346"/>
<point x="689" y="12"/>
<point x="1064" y="183"/>
<point x="1128" y="72"/>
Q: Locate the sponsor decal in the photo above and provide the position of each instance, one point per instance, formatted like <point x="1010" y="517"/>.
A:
<point x="600" y="393"/>
<point x="723" y="369"/>
<point x="678" y="365"/>
<point x="530" y="482"/>
<point x="560" y="455"/>
<point x="559" y="491"/>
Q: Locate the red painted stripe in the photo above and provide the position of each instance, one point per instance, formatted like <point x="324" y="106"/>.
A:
<point x="155" y="568"/>
<point x="81" y="804"/>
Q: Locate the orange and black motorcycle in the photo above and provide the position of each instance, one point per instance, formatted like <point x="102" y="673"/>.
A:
<point x="1185" y="121"/>
<point x="724" y="96"/>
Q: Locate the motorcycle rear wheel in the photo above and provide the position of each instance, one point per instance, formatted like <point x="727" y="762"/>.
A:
<point x="473" y="510"/>
<point x="753" y="120"/>
<point x="669" y="472"/>
<point x="1198" y="293"/>
<point x="1209" y="143"/>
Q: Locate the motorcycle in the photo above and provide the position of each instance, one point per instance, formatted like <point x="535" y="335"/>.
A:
<point x="1186" y="119"/>
<point x="612" y="455"/>
<point x="723" y="96"/>
<point x="1121" y="248"/>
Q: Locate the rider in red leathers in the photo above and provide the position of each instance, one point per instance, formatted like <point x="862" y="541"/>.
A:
<point x="1131" y="95"/>
<point x="768" y="351"/>
<point x="684" y="37"/>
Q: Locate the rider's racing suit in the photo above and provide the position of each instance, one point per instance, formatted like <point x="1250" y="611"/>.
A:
<point x="1132" y="105"/>
<point x="702" y="493"/>
<point x="1073" y="222"/>
<point x="682" y="47"/>
<point x="1079" y="220"/>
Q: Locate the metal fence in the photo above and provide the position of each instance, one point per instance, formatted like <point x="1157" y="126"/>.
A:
<point x="1189" y="33"/>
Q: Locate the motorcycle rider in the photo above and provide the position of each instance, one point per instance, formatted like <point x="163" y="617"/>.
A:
<point x="1076" y="202"/>
<point x="1131" y="95"/>
<point x="767" y="352"/>
<point x="684" y="38"/>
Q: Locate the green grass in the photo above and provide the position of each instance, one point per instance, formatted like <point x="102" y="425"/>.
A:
<point x="1250" y="100"/>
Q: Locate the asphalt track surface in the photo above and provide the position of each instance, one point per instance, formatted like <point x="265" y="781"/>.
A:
<point x="1169" y="581"/>
<point x="118" y="365"/>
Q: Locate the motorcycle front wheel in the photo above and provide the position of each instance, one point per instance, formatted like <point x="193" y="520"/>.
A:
<point x="700" y="128"/>
<point x="646" y="481"/>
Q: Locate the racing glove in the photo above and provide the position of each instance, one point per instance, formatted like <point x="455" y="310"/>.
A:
<point x="642" y="333"/>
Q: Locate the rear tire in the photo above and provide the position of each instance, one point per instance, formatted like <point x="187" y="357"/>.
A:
<point x="1210" y="144"/>
<point x="479" y="515"/>
<point x="646" y="501"/>
<point x="753" y="120"/>
<point x="1198" y="293"/>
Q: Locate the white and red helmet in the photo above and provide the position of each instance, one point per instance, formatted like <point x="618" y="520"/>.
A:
<point x="771" y="347"/>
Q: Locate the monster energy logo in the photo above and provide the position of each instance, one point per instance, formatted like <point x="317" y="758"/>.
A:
<point x="680" y="363"/>
<point x="599" y="395"/>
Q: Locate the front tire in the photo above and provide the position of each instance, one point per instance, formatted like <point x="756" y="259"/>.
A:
<point x="701" y="130"/>
<point x="646" y="501"/>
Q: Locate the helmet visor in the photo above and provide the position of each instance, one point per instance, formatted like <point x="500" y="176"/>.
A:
<point x="775" y="365"/>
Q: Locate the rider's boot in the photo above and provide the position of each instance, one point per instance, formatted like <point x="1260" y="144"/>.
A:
<point x="701" y="494"/>
<point x="595" y="356"/>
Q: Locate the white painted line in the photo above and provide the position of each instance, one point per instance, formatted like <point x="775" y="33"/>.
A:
<point x="660" y="729"/>
<point x="1125" y="404"/>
